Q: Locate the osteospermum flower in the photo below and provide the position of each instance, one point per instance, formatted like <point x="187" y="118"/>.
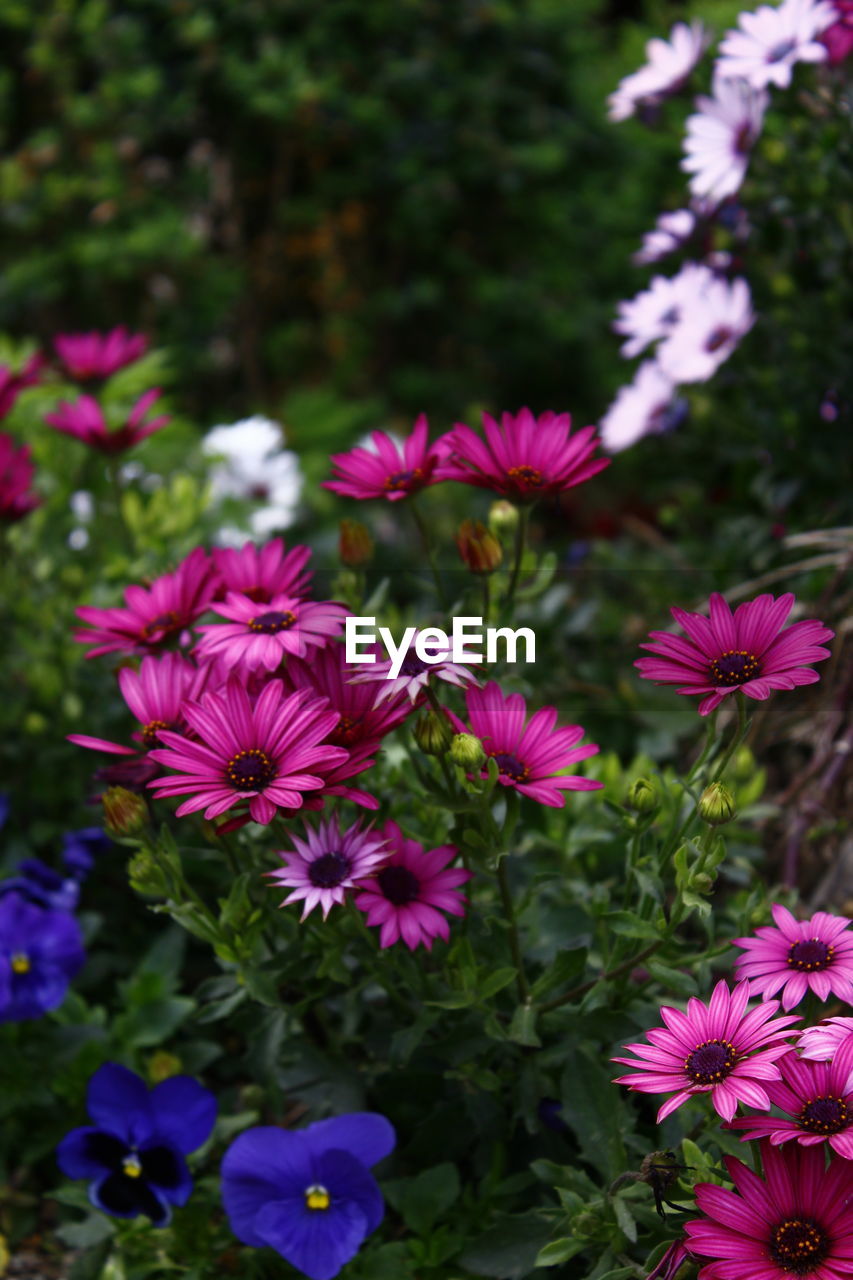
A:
<point x="747" y="650"/>
<point x="262" y="572"/>
<point x="720" y="137"/>
<point x="84" y="419"/>
<point x="654" y="312"/>
<point x="410" y="890"/>
<point x="671" y="232"/>
<point x="797" y="1221"/>
<point x="93" y="356"/>
<point x="708" y="332"/>
<point x="523" y="458"/>
<point x="533" y="755"/>
<point x="267" y="753"/>
<point x="133" y="1154"/>
<point x="251" y="464"/>
<point x="715" y="1048"/>
<point x="772" y="40"/>
<point x="816" y="1099"/>
<point x="363" y="718"/>
<point x="647" y="406"/>
<point x="798" y="956"/>
<point x="259" y="636"/>
<point x="668" y="66"/>
<point x="153" y="614"/>
<point x="17" y="499"/>
<point x="308" y="1193"/>
<point x="388" y="471"/>
<point x="40" y="952"/>
<point x="413" y="675"/>
<point x="327" y="863"/>
<point x="823" y="1040"/>
<point x="838" y="37"/>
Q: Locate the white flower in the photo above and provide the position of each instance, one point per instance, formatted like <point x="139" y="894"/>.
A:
<point x="668" y="66"/>
<point x="252" y="464"/>
<point x="721" y="136"/>
<point x="708" y="332"/>
<point x="671" y="231"/>
<point x="644" y="407"/>
<point x="651" y="314"/>
<point x="770" y="41"/>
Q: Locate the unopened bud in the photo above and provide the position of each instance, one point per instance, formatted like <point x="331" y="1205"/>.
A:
<point x="145" y="876"/>
<point x="479" y="549"/>
<point x="467" y="751"/>
<point x="162" y="1065"/>
<point x="355" y="545"/>
<point x="642" y="796"/>
<point x="701" y="882"/>
<point x="716" y="805"/>
<point x="125" y="812"/>
<point x="743" y="764"/>
<point x="433" y="733"/>
<point x="503" y="517"/>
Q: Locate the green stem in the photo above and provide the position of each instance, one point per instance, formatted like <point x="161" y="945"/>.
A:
<point x="514" y="944"/>
<point x="115" y="485"/>
<point x="583" y="987"/>
<point x="710" y="738"/>
<point x="737" y="737"/>
<point x="428" y="551"/>
<point x="518" y="556"/>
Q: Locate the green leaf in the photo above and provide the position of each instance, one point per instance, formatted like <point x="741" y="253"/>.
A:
<point x="90" y="1264"/>
<point x="625" y="1218"/>
<point x="522" y="1029"/>
<point x="150" y="1024"/>
<point x="564" y="971"/>
<point x="558" y="1251"/>
<point x="496" y="982"/>
<point x="592" y="1109"/>
<point x="683" y="984"/>
<point x="423" y="1199"/>
<point x="508" y="1250"/>
<point x="94" y="1229"/>
<point x="630" y="925"/>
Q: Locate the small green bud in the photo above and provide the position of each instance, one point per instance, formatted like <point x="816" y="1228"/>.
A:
<point x="702" y="882"/>
<point x="743" y="765"/>
<point x="145" y="876"/>
<point x="716" y="805"/>
<point x="503" y="517"/>
<point x="125" y="812"/>
<point x="433" y="733"/>
<point x="642" y="796"/>
<point x="162" y="1065"/>
<point x="467" y="751"/>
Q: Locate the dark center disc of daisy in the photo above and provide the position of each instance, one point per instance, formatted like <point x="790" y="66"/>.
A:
<point x="511" y="767"/>
<point x="163" y="622"/>
<point x="270" y="623"/>
<point x="780" y="50"/>
<point x="799" y="1245"/>
<point x="718" y="338"/>
<point x="402" y="479"/>
<point x="810" y="955"/>
<point x="260" y="492"/>
<point x="743" y="139"/>
<point x="735" y="666"/>
<point x="151" y="731"/>
<point x="399" y="885"/>
<point x="527" y="476"/>
<point x="329" y="869"/>
<point x="412" y="665"/>
<point x="711" y="1062"/>
<point x="825" y="1115"/>
<point x="250" y="770"/>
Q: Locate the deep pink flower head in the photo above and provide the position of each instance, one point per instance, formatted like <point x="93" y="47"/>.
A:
<point x="530" y="755"/>
<point x="12" y="384"/>
<point x="671" y="1262"/>
<point x="262" y="572"/>
<point x="817" y="1101"/>
<point x="838" y="38"/>
<point x="327" y="863"/>
<point x="825" y="1038"/>
<point x="410" y="890"/>
<point x="413" y="675"/>
<point x="524" y="458"/>
<point x="798" y="1221"/>
<point x="715" y="1048"/>
<point x="154" y="614"/>
<point x="259" y="636"/>
<point x="798" y="956"/>
<point x="747" y="650"/>
<point x="90" y="356"/>
<point x="267" y="752"/>
<point x="361" y="718"/>
<point x="17" y="499"/>
<point x="389" y="472"/>
<point x="84" y="419"/>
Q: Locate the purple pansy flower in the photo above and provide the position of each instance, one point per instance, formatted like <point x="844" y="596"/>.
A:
<point x="40" y="952"/>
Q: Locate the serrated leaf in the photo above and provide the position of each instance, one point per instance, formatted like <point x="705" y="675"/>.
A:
<point x="625" y="1219"/>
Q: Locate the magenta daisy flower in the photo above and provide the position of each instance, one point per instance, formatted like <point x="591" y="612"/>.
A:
<point x="85" y="420"/>
<point x="798" y="956"/>
<point x="17" y="499"/>
<point x="266" y="752"/>
<point x="413" y="676"/>
<point x="92" y="356"/>
<point x="389" y="472"/>
<point x="260" y="635"/>
<point x="263" y="572"/>
<point x="362" y="717"/>
<point x="747" y="650"/>
<point x="817" y="1102"/>
<point x="715" y="1048"/>
<point x="153" y="614"/>
<point x="327" y="863"/>
<point x="798" y="1221"/>
<point x="533" y="755"/>
<point x="524" y="458"/>
<point x="823" y="1040"/>
<point x="410" y="890"/>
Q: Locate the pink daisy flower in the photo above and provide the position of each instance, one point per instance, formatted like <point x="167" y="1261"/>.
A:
<point x="715" y="1048"/>
<point x="671" y="232"/>
<point x="263" y="572"/>
<point x="817" y="1102"/>
<point x="84" y="419"/>
<point x="720" y="137"/>
<point x="533" y="755"/>
<point x="388" y="472"/>
<point x="90" y="356"/>
<point x="524" y="458"/>
<point x="327" y="863"/>
<point x="17" y="499"/>
<point x="266" y="752"/>
<point x="259" y="636"/>
<point x="362" y="718"/>
<point x="669" y="63"/>
<point x="772" y="41"/>
<point x="798" y="1221"/>
<point x="647" y="406"/>
<point x="153" y="614"/>
<point x="838" y="38"/>
<point x="707" y="332"/>
<point x="13" y="383"/>
<point x="411" y="889"/>
<point x="413" y="677"/>
<point x="823" y="1040"/>
<point x="798" y="956"/>
<point x="748" y="650"/>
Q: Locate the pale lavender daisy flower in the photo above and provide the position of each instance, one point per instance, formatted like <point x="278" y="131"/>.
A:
<point x="653" y="313"/>
<point x="646" y="406"/>
<point x="668" y="66"/>
<point x="772" y="40"/>
<point x="720" y="137"/>
<point x="671" y="232"/>
<point x="327" y="863"/>
<point x="823" y="1040"/>
<point x="414" y="674"/>
<point x="708" y="331"/>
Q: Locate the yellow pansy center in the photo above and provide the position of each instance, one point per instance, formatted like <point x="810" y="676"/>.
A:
<point x="317" y="1197"/>
<point x="20" y="963"/>
<point x="131" y="1166"/>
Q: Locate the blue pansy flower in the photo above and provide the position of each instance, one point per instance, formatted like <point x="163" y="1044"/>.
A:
<point x="40" y="952"/>
<point x="308" y="1193"/>
<point x="133" y="1155"/>
<point x="39" y="883"/>
<point x="79" y="849"/>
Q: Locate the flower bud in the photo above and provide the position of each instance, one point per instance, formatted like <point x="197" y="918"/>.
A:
<point x="145" y="876"/>
<point x="467" y="751"/>
<point x="433" y="733"/>
<point x="716" y="805"/>
<point x="743" y="765"/>
<point x="162" y="1065"/>
<point x="642" y="796"/>
<point x="503" y="517"/>
<point x="125" y="812"/>
<point x="479" y="549"/>
<point x="355" y="545"/>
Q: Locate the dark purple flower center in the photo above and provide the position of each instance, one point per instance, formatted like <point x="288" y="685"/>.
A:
<point x="329" y="869"/>
<point x="412" y="665"/>
<point x="260" y="492"/>
<point x="825" y="1115"/>
<point x="719" y="338"/>
<point x="735" y="666"/>
<point x="780" y="50"/>
<point x="527" y="477"/>
<point x="151" y="731"/>
<point x="711" y="1062"/>
<point x="163" y="623"/>
<point x="799" y="1245"/>
<point x="511" y="767"/>
<point x="403" y="479"/>
<point x="345" y="732"/>
<point x="270" y="623"/>
<point x="743" y="139"/>
<point x="810" y="955"/>
<point x="399" y="885"/>
<point x="250" y="770"/>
